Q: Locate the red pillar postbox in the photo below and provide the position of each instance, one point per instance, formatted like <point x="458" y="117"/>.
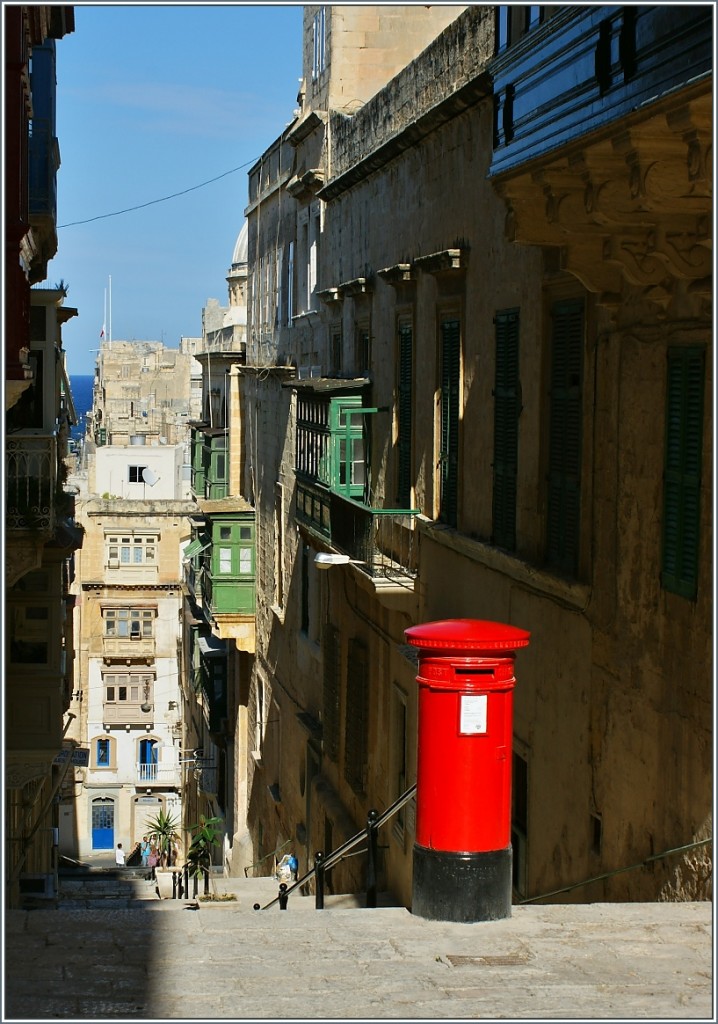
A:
<point x="462" y="853"/>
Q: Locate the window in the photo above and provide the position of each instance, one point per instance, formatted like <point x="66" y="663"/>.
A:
<point x="135" y="474"/>
<point x="507" y="408"/>
<point x="135" y="623"/>
<point x="312" y="437"/>
<point x="363" y="350"/>
<point x="319" y="55"/>
<point x="503" y="27"/>
<point x="302" y="260"/>
<point x="290" y="284"/>
<point x="331" y="443"/>
<point x="132" y="550"/>
<point x="564" y="461"/>
<point x="225" y="561"/>
<point x="245" y="561"/>
<point x="103" y="748"/>
<point x="348" y="449"/>
<point x="332" y="681"/>
<point x="404" y="414"/>
<point x="128" y="687"/>
<point x="356" y="721"/>
<point x="312" y="269"/>
<point x="335" y="355"/>
<point x="147" y="759"/>
<point x="682" y="470"/>
<point x="278" y="547"/>
<point x="519" y="822"/>
<point x="312" y="582"/>
<point x="449" y="441"/>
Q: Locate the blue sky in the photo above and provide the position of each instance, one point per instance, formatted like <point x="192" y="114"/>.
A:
<point x="153" y="100"/>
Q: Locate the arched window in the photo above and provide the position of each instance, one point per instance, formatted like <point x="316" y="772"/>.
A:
<point x="104" y="752"/>
<point x="147" y="759"/>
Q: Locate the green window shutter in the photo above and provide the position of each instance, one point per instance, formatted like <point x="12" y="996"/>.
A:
<point x="405" y="415"/>
<point x="331" y="692"/>
<point x="356" y="722"/>
<point x="507" y="408"/>
<point x="682" y="470"/>
<point x="564" y="464"/>
<point x="449" y="452"/>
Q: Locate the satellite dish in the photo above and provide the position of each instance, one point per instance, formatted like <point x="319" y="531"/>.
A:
<point x="149" y="476"/>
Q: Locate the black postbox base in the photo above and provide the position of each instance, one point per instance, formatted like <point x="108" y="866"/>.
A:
<point x="461" y="887"/>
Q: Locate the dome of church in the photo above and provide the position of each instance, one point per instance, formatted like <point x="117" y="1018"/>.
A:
<point x="240" y="249"/>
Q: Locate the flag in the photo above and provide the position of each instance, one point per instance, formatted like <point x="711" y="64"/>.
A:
<point x="102" y="332"/>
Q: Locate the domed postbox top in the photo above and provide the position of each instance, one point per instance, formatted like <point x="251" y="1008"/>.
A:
<point x="467" y="635"/>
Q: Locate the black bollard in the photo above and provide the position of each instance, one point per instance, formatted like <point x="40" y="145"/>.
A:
<point x="371" y="839"/>
<point x="319" y="872"/>
<point x="283" y="896"/>
<point x="174" y="885"/>
<point x="206" y="881"/>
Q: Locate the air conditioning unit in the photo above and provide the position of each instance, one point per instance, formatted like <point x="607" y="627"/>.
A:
<point x="257" y="757"/>
<point x="113" y="563"/>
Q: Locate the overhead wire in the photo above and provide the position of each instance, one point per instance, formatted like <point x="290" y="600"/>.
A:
<point x="153" y="202"/>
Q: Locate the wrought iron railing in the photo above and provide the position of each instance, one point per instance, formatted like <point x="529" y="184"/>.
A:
<point x="383" y="540"/>
<point x="323" y="862"/>
<point x="30" y="481"/>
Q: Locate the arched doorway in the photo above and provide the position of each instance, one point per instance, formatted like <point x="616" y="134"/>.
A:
<point x="103" y="823"/>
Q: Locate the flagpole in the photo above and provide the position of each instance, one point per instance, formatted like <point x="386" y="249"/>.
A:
<point x="110" y="321"/>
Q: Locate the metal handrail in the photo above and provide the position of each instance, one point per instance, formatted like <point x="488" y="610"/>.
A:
<point x="272" y="853"/>
<point x="374" y="823"/>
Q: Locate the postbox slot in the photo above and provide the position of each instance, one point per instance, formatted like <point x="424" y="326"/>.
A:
<point x="474" y="671"/>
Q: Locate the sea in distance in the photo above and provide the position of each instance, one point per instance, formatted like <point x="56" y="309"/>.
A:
<point x="81" y="386"/>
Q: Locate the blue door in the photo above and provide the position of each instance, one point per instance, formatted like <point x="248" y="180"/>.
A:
<point x="103" y="824"/>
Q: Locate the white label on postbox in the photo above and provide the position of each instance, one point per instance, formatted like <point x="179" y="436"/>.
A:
<point x="473" y="714"/>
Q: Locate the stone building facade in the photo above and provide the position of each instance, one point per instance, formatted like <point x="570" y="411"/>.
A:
<point x="128" y="696"/>
<point x="40" y="533"/>
<point x="473" y="337"/>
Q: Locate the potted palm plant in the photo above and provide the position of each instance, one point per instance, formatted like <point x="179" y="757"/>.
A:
<point x="163" y="832"/>
<point x="205" y="835"/>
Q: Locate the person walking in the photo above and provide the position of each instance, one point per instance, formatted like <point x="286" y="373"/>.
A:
<point x="119" y="856"/>
<point x="145" y="852"/>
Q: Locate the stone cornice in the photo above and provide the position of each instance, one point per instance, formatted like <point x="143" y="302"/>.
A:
<point x="630" y="210"/>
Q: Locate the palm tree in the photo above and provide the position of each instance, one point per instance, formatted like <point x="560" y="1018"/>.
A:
<point x="205" y="835"/>
<point x="163" y="832"/>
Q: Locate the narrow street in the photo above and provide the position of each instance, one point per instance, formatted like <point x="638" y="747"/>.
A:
<point x="164" y="959"/>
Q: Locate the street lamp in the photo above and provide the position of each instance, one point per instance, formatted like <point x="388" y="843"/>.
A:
<point x="325" y="560"/>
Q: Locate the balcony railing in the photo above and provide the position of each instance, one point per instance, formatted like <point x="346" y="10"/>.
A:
<point x="157" y="774"/>
<point x="31" y="482"/>
<point x="385" y="540"/>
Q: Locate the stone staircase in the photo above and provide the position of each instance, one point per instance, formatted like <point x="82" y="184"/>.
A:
<point x="93" y="888"/>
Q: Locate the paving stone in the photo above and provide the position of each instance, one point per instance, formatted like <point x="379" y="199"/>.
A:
<point x="161" y="959"/>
